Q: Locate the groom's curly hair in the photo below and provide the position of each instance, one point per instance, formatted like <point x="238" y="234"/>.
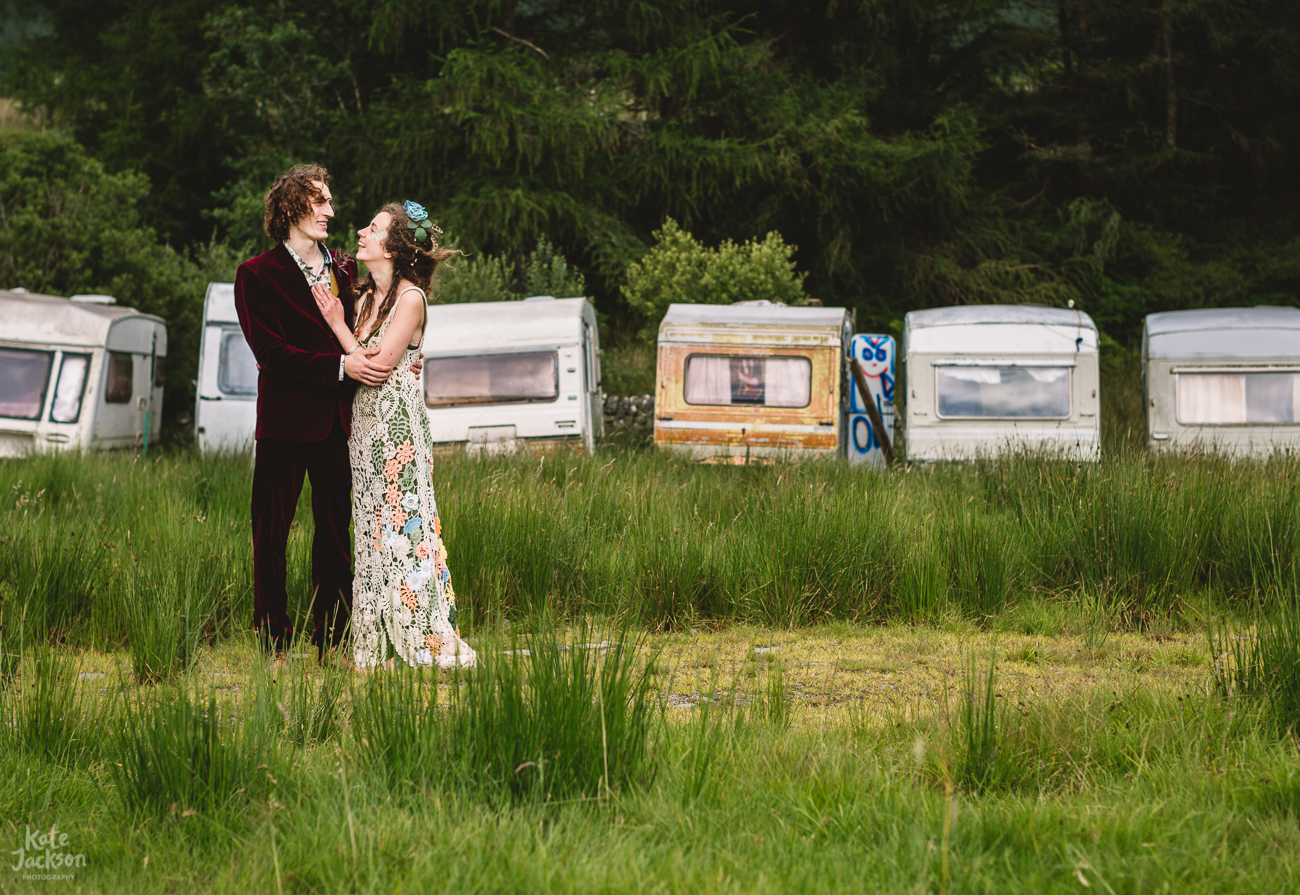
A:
<point x="412" y="261"/>
<point x="289" y="199"/>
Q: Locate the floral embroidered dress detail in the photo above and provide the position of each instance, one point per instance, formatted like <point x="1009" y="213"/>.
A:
<point x="403" y="600"/>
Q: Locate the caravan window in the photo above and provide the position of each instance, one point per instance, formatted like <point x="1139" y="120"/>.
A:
<point x="121" y="378"/>
<point x="977" y="391"/>
<point x="491" y="379"/>
<point x="24" y="375"/>
<point x="1225" y="399"/>
<point x="70" y="387"/>
<point x="236" y="366"/>
<point x="763" y="381"/>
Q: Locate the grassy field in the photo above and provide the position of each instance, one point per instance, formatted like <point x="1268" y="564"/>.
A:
<point x="1028" y="676"/>
<point x="839" y="759"/>
<point x="89" y="547"/>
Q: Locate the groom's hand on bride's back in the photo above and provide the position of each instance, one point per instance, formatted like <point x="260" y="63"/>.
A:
<point x="417" y="367"/>
<point x="359" y="365"/>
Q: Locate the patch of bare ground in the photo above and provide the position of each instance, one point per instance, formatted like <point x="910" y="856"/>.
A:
<point x="864" y="677"/>
<point x="870" y="676"/>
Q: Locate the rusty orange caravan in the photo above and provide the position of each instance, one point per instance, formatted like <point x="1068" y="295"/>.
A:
<point x="752" y="379"/>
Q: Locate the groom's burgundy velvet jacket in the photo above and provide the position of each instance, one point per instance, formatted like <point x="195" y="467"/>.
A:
<point x="298" y="388"/>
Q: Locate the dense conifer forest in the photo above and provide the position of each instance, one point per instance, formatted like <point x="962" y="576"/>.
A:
<point x="1126" y="156"/>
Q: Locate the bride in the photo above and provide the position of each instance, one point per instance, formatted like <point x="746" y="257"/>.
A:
<point x="402" y="601"/>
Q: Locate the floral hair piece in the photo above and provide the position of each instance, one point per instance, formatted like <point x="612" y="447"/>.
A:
<point x="419" y="221"/>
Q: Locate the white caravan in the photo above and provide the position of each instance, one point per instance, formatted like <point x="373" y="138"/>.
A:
<point x="225" y="412"/>
<point x="979" y="380"/>
<point x="501" y="376"/>
<point x="77" y="374"/>
<point x="1223" y="379"/>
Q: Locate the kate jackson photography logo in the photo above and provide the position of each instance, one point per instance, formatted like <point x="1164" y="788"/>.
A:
<point x="44" y="855"/>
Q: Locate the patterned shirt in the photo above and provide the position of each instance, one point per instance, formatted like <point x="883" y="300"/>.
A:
<point x="313" y="279"/>
<point x="322" y="278"/>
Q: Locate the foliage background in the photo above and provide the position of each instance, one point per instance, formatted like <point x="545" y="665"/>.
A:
<point x="1129" y="155"/>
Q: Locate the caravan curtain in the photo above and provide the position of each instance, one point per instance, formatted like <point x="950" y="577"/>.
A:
<point x="1225" y="399"/>
<point x="708" y="380"/>
<point x="747" y="380"/>
<point x="789" y="382"/>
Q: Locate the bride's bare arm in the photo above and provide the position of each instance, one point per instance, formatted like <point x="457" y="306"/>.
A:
<point x="407" y="320"/>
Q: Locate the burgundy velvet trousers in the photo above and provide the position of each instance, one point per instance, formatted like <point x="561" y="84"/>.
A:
<point x="277" y="483"/>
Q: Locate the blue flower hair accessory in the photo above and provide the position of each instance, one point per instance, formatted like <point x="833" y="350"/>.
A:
<point x="419" y="221"/>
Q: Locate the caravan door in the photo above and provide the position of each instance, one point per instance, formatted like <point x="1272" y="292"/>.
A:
<point x="130" y="382"/>
<point x="876" y="355"/>
<point x="594" y="425"/>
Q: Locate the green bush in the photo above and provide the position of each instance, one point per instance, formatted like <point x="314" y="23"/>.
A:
<point x="547" y="272"/>
<point x="475" y="278"/>
<point x="681" y="269"/>
<point x="69" y="225"/>
<point x="495" y="278"/>
<point x="627" y="367"/>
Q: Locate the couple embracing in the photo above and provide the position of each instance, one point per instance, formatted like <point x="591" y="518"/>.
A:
<point x="339" y="400"/>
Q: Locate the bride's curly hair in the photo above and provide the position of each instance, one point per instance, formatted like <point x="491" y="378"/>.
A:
<point x="412" y="261"/>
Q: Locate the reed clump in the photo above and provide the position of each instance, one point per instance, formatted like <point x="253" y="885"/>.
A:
<point x="541" y="721"/>
<point x="178" y="751"/>
<point x="1263" y="660"/>
<point x="43" y="714"/>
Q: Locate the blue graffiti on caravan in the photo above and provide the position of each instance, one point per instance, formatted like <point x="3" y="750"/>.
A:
<point x="875" y="353"/>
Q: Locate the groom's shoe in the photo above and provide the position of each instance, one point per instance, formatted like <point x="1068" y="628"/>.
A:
<point x="275" y="648"/>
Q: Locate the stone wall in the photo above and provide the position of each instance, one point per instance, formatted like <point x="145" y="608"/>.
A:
<point x="633" y="415"/>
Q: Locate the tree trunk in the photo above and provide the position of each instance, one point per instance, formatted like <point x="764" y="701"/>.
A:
<point x="1167" y="63"/>
<point x="1081" y="37"/>
<point x="1063" y="26"/>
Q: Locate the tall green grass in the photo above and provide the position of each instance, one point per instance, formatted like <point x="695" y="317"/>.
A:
<point x="1263" y="660"/>
<point x="167" y="611"/>
<point x="43" y="714"/>
<point x="307" y="705"/>
<point x="178" y="751"/>
<point x="540" y="722"/>
<point x="988" y="743"/>
<point x="987" y="756"/>
<point x="112" y="550"/>
<point x="1124" y="789"/>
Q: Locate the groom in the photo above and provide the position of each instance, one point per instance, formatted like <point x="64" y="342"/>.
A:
<point x="304" y="406"/>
